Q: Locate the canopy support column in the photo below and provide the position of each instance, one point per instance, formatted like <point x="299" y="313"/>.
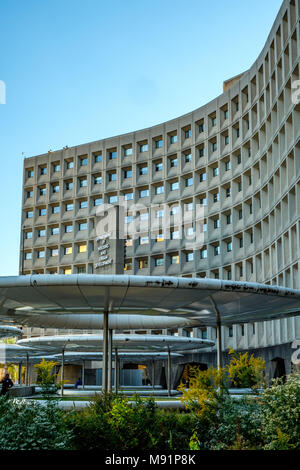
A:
<point x="62" y="371"/>
<point x="117" y="371"/>
<point x="82" y="373"/>
<point x="105" y="353"/>
<point x="27" y="367"/>
<point x="20" y="373"/>
<point x="169" y="373"/>
<point x="153" y="374"/>
<point x="109" y="381"/>
<point x="219" y="335"/>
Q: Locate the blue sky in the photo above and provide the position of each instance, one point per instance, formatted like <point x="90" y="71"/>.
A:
<point x="82" y="70"/>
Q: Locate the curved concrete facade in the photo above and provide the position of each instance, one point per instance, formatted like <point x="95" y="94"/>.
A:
<point x="238" y="158"/>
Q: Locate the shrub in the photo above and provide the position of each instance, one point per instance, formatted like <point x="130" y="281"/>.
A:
<point x="280" y="414"/>
<point x="244" y="370"/>
<point x="32" y="426"/>
<point x="45" y="378"/>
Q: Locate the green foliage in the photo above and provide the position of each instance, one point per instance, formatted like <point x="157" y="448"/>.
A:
<point x="31" y="426"/>
<point x="204" y="389"/>
<point x="45" y="378"/>
<point x="244" y="370"/>
<point x="280" y="410"/>
<point x="111" y="422"/>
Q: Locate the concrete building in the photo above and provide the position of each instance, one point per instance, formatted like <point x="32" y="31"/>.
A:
<point x="232" y="167"/>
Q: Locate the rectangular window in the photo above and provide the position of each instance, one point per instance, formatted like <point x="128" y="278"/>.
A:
<point x="143" y="170"/>
<point x="112" y="155"/>
<point x="174" y="186"/>
<point x="214" y="146"/>
<point x="69" y="207"/>
<point x="175" y="259"/>
<point x="158" y="144"/>
<point x="30" y="173"/>
<point x="42" y="211"/>
<point x="127" y="174"/>
<point x="70" y="164"/>
<point x="128" y="196"/>
<point x="144" y="193"/>
<point x="28" y="235"/>
<point x="173" y="162"/>
<point x="56" y="167"/>
<point x="42" y="233"/>
<point x="158" y="261"/>
<point x="68" y="250"/>
<point x="159" y="190"/>
<point x="229" y="247"/>
<point x="188" y="158"/>
<point x="187" y="134"/>
<point x="55" y="231"/>
<point x="55" y="209"/>
<point x="98" y="158"/>
<point x="54" y="252"/>
<point x="68" y="228"/>
<point x="69" y="185"/>
<point x="217" y="250"/>
<point x="98" y="201"/>
<point x="43" y="191"/>
<point x="83" y="204"/>
<point x="158" y="166"/>
<point x="173" y="139"/>
<point x="144" y="240"/>
<point x="216" y="171"/>
<point x="214" y="121"/>
<point x="97" y="179"/>
<point x="128" y="152"/>
<point x="28" y="255"/>
<point x="83" y="183"/>
<point x="143" y="148"/>
<point x="216" y="197"/>
<point x="41" y="254"/>
<point x="55" y="189"/>
<point x="189" y="182"/>
<point x="113" y="199"/>
<point x="112" y="177"/>
<point x="189" y="257"/>
<point x="83" y="161"/>
<point x="82" y="248"/>
<point x="203" y="253"/>
<point x="43" y="170"/>
<point x="83" y="226"/>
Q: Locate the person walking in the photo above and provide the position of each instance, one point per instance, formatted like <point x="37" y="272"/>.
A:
<point x="7" y="383"/>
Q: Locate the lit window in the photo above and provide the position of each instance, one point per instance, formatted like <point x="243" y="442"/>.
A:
<point x="175" y="259"/>
<point x="159" y="237"/>
<point x="68" y="271"/>
<point x="82" y="248"/>
<point x="68" y="250"/>
<point x="187" y="134"/>
<point x="143" y="263"/>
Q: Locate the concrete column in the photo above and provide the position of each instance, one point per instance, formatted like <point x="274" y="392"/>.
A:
<point x="117" y="371"/>
<point x="20" y="373"/>
<point x="62" y="371"/>
<point x="109" y="379"/>
<point x="27" y="367"/>
<point x="153" y="374"/>
<point x="105" y="353"/>
<point x="82" y="374"/>
<point x="219" y="334"/>
<point x="169" y="373"/>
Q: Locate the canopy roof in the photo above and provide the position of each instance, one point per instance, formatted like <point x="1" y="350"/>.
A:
<point x="92" y="342"/>
<point x="10" y="331"/>
<point x="191" y="299"/>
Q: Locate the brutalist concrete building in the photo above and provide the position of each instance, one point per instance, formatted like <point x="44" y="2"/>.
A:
<point x="231" y="167"/>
